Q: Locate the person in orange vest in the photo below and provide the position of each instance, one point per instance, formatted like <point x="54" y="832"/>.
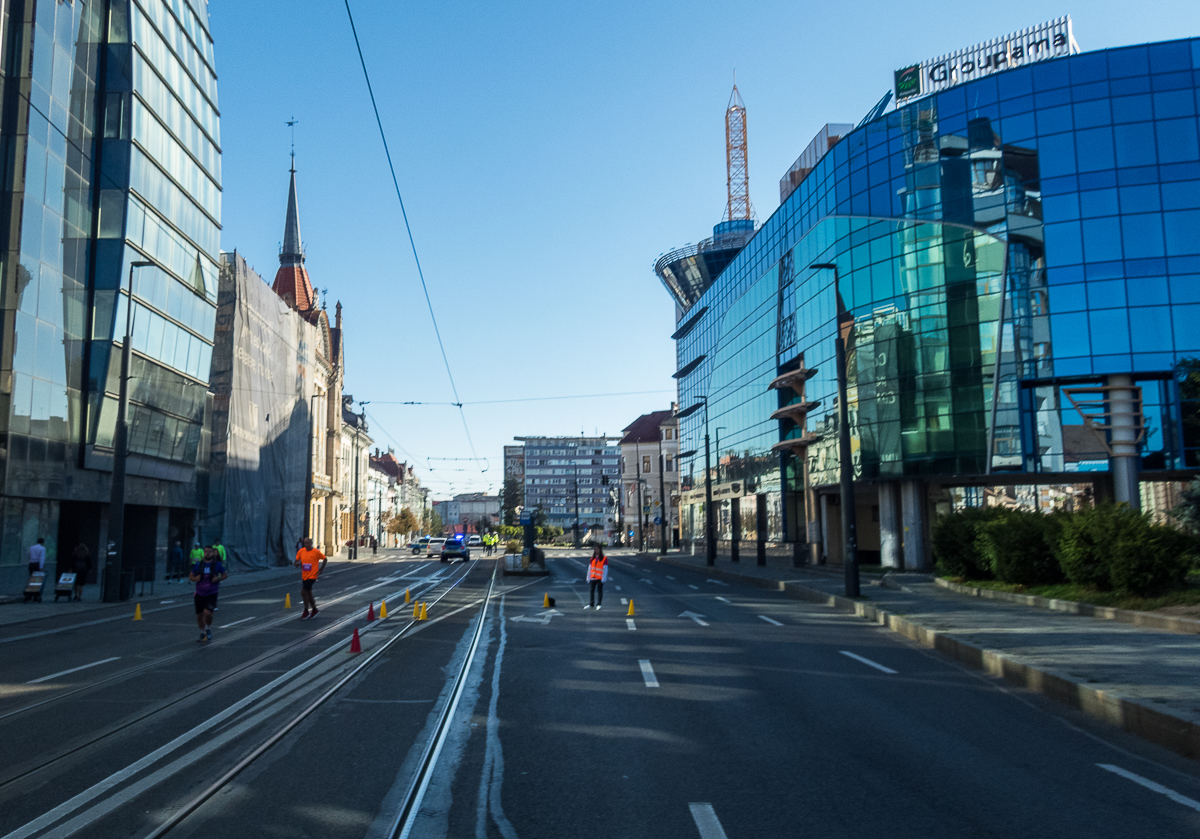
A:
<point x="597" y="575"/>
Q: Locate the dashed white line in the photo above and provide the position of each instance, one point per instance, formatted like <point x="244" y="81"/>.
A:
<point x="1178" y="798"/>
<point x="648" y="673"/>
<point x="724" y="599"/>
<point x="707" y="822"/>
<point x="867" y="661"/>
<point x="618" y="588"/>
<point x="629" y="624"/>
<point x="771" y="621"/>
<point x="669" y="577"/>
<point x="697" y="588"/>
<point x="235" y="623"/>
<point x="717" y="583"/>
<point x="624" y="601"/>
<point x="72" y="670"/>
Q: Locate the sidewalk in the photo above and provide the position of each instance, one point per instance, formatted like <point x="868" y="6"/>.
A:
<point x="1144" y="680"/>
<point x="15" y="610"/>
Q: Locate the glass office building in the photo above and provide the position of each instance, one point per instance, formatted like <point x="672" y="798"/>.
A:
<point x="1015" y="264"/>
<point x="111" y="146"/>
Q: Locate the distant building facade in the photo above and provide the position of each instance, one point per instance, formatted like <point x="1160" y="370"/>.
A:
<point x="465" y="512"/>
<point x="562" y="473"/>
<point x="646" y="497"/>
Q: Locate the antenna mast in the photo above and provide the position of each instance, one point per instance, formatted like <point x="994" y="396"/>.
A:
<point x="735" y="160"/>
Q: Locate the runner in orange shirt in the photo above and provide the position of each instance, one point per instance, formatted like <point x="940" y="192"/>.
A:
<point x="307" y="558"/>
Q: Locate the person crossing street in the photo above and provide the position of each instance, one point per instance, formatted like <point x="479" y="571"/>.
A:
<point x="307" y="558"/>
<point x="597" y="575"/>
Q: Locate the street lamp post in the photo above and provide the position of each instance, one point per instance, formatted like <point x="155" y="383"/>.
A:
<point x="849" y="513"/>
<point x="116" y="506"/>
<point x="663" y="506"/>
<point x="576" y="528"/>
<point x="308" y="485"/>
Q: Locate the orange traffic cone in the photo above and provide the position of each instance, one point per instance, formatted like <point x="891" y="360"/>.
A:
<point x="370" y="612"/>
<point x="355" y="646"/>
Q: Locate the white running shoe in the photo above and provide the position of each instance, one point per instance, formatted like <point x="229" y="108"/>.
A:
<point x="597" y="608"/>
<point x="587" y="607"/>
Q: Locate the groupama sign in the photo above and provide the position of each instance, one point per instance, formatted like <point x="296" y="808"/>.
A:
<point x="1052" y="39"/>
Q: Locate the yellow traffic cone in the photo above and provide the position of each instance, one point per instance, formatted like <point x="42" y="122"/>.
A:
<point x="546" y="601"/>
<point x="424" y="613"/>
<point x="630" y="612"/>
<point x="137" y="612"/>
<point x="416" y="611"/>
<point x="407" y="596"/>
<point x="382" y="609"/>
<point x="287" y="601"/>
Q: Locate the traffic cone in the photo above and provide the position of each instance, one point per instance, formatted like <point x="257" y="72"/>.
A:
<point x="370" y="611"/>
<point x="287" y="601"/>
<point x="382" y="609"/>
<point x="355" y="646"/>
<point x="630" y="612"/>
<point x="137" y="612"/>
<point x="416" y="611"/>
<point x="546" y="600"/>
<point x="424" y="613"/>
<point x="407" y="596"/>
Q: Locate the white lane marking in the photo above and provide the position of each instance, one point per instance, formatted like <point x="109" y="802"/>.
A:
<point x="669" y="577"/>
<point x="1178" y="798"/>
<point x="724" y="599"/>
<point x="717" y="583"/>
<point x="491" y="780"/>
<point x="618" y="588"/>
<point x="694" y="617"/>
<point x="629" y="624"/>
<point x="72" y="670"/>
<point x="648" y="673"/>
<point x="707" y="822"/>
<point x="771" y="621"/>
<point x="165" y="602"/>
<point x="697" y="588"/>
<point x="624" y="601"/>
<point x="867" y="661"/>
<point x="235" y="623"/>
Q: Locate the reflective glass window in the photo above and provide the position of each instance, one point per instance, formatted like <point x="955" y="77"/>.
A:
<point x="1174" y="103"/>
<point x="1140" y="199"/>
<point x="1064" y="244"/>
<point x="1095" y="149"/>
<point x="1092" y="114"/>
<point x="1171" y="56"/>
<point x="1069" y="298"/>
<point x="1177" y="140"/>
<point x="1147" y="291"/>
<point x="1056" y="154"/>
<point x="1050" y="74"/>
<point x="1098" y="202"/>
<point x="1185" y="288"/>
<point x="1106" y="294"/>
<point x="1142" y="235"/>
<point x="1101" y="239"/>
<point x="1128" y="87"/>
<point x="1089" y="68"/>
<point x="1061" y="207"/>
<point x="1186" y="320"/>
<point x="1132" y="108"/>
<point x="1182" y="232"/>
<point x="1135" y="144"/>
<point x="1130" y="61"/>
<point x="1070" y="334"/>
<point x="1111" y="328"/>
<point x="1152" y="327"/>
<point x="1054" y="120"/>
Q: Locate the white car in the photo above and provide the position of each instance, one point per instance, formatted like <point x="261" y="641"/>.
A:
<point x="435" y="547"/>
<point x="474" y="540"/>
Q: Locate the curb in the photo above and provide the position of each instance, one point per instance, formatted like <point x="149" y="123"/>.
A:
<point x="1166" y="730"/>
<point x="1167" y="623"/>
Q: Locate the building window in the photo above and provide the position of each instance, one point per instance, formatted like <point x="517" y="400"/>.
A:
<point x="667" y="432"/>
<point x="645" y="463"/>
<point x="670" y="464"/>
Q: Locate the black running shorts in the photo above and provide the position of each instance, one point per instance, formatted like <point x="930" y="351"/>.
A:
<point x="205" y="603"/>
<point x="307" y="584"/>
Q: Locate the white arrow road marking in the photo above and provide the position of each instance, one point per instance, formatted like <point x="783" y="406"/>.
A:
<point x="769" y="620"/>
<point x="1177" y="797"/>
<point x="694" y="617"/>
<point x="543" y="618"/>
<point x="707" y="822"/>
<point x="629" y="624"/>
<point x="624" y="601"/>
<point x="717" y="583"/>
<point x="724" y="600"/>
<point x="648" y="673"/>
<point x="72" y="670"/>
<point x="867" y="661"/>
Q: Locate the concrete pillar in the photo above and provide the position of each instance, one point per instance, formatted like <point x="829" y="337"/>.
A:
<point x="735" y="529"/>
<point x="823" y="502"/>
<point x="890" y="536"/>
<point x="162" y="545"/>
<point x="912" y="503"/>
<point x="1124" y="417"/>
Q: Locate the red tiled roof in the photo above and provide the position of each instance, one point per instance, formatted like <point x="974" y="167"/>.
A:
<point x="292" y="284"/>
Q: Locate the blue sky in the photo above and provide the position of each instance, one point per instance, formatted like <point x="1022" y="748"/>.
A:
<point x="548" y="153"/>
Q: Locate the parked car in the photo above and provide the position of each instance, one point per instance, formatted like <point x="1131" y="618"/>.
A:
<point x="474" y="541"/>
<point x="434" y="547"/>
<point x="456" y="547"/>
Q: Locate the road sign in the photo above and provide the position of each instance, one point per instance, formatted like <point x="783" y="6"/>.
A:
<point x="526" y="517"/>
<point x="646" y="508"/>
<point x="658" y="519"/>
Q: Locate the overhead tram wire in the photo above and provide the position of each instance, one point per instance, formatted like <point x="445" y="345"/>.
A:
<point x="528" y="398"/>
<point x="403" y="212"/>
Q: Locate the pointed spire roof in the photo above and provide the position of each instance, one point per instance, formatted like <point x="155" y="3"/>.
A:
<point x="291" y="280"/>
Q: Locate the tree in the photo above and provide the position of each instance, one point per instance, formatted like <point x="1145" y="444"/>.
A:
<point x="433" y="523"/>
<point x="403" y="523"/>
<point x="512" y="500"/>
<point x="538" y="517"/>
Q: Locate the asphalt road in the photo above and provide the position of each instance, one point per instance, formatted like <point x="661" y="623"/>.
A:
<point x="714" y="711"/>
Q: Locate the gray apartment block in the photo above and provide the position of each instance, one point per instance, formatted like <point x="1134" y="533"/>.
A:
<point x="563" y="471"/>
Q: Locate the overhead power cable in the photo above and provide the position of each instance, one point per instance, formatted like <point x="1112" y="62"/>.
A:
<point x="407" y="227"/>
<point x="528" y="398"/>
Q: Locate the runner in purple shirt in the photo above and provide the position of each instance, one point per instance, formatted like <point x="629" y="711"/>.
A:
<point x="207" y="574"/>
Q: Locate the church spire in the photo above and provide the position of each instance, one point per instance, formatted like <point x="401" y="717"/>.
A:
<point x="292" y="252"/>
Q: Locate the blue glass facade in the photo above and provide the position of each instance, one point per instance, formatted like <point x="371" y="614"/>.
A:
<point x="1001" y="247"/>
<point x="109" y="132"/>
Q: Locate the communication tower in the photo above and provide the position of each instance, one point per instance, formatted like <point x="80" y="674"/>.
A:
<point x="735" y="160"/>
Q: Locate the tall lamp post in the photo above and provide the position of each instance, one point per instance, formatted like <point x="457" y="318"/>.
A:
<point x="576" y="528"/>
<point x="663" y="504"/>
<point x="116" y="506"/>
<point x="845" y="323"/>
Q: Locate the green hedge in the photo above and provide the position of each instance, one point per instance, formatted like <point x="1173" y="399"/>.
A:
<point x="1108" y="547"/>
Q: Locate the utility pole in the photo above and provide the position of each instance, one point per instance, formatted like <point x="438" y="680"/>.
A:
<point x="308" y="484"/>
<point x="576" y="542"/>
<point x="663" y="506"/>
<point x="849" y="514"/>
<point x="116" y="506"/>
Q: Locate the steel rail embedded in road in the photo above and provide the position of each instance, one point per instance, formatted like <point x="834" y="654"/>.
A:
<point x="192" y="692"/>
<point x="193" y="805"/>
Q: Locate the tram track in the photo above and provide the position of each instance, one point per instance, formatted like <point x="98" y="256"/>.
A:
<point x="191" y="693"/>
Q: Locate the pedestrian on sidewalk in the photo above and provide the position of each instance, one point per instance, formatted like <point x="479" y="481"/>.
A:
<point x="37" y="556"/>
<point x="597" y="575"/>
<point x="207" y="575"/>
<point x="81" y="559"/>
<point x="175" y="562"/>
<point x="220" y="549"/>
<point x="308" y="558"/>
